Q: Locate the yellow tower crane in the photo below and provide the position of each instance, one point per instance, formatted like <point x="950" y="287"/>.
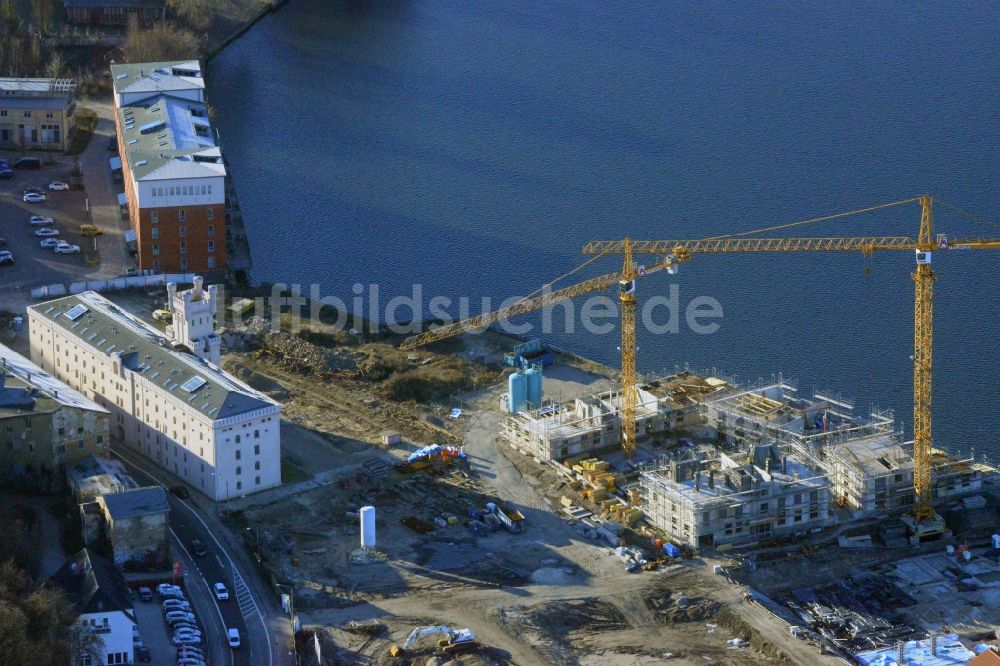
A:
<point x="923" y="520"/>
<point x="677" y="252"/>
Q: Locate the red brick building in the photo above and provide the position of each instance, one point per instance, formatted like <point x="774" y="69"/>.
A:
<point x="174" y="176"/>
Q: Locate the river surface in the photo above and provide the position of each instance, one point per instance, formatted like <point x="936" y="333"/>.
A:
<point x="473" y="148"/>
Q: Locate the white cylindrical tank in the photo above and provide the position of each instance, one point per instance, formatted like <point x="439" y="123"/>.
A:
<point x="367" y="515"/>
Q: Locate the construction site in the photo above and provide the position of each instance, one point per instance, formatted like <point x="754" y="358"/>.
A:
<point x="495" y="501"/>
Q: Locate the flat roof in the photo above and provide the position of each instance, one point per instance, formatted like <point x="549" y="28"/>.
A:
<point x="36" y="86"/>
<point x="144" y="350"/>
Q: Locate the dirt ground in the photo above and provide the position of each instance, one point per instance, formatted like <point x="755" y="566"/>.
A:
<point x="548" y="595"/>
<point x="545" y="596"/>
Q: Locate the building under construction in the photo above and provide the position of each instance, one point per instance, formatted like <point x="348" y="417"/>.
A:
<point x="593" y="424"/>
<point x="755" y="461"/>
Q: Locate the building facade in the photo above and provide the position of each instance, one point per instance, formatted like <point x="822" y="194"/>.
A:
<point x="181" y="412"/>
<point x="710" y="503"/>
<point x="134" y="523"/>
<point x="100" y="596"/>
<point x="142" y="13"/>
<point x="36" y="113"/>
<point x="45" y="425"/>
<point x="173" y="173"/>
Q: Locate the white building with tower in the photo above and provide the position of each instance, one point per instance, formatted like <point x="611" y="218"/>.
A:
<point x="177" y="409"/>
<point x="193" y="324"/>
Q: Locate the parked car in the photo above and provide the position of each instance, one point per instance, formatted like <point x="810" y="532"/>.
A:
<point x="46" y="231"/>
<point x="3" y="242"/>
<point x="58" y="186"/>
<point x="180" y="491"/>
<point x="185" y="640"/>
<point x="186" y="625"/>
<point x="49" y="243"/>
<point x="221" y="593"/>
<point x="234" y="637"/>
<point x="176" y="604"/>
<point x="172" y="594"/>
<point x="143" y="654"/>
<point x="34" y="198"/>
<point x="67" y="248"/>
<point x="145" y="594"/>
<point x="7" y="173"/>
<point x="198" y="548"/>
<point x="33" y="190"/>
<point x="90" y="230"/>
<point x="187" y="631"/>
<point x="162" y="315"/>
<point x="190" y="651"/>
<point x="38" y="220"/>
<point x="190" y="661"/>
<point x="6" y="260"/>
<point x="112" y="143"/>
<point x="173" y="617"/>
<point x="167" y="586"/>
<point x="27" y="163"/>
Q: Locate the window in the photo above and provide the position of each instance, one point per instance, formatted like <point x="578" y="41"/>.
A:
<point x="62" y="431"/>
<point x="211" y="246"/>
<point x="256" y="466"/>
<point x="238" y="454"/>
<point x="256" y="435"/>
<point x="239" y="470"/>
<point x="256" y="449"/>
<point x="211" y="229"/>
<point x="49" y="114"/>
<point x="100" y="438"/>
<point x="61" y="449"/>
<point x="210" y="213"/>
<point x="256" y="480"/>
<point x="184" y="264"/>
<point x="184" y="248"/>
<point x="155" y="233"/>
<point x="156" y="263"/>
<point x="26" y="114"/>
<point x="237" y="441"/>
<point x="3" y="114"/>
<point x="181" y="216"/>
<point x="156" y="249"/>
<point x="211" y="262"/>
<point x="182" y="231"/>
<point x="154" y="217"/>
<point x="239" y="485"/>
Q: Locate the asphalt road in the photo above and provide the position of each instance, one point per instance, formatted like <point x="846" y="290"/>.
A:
<point x="240" y="610"/>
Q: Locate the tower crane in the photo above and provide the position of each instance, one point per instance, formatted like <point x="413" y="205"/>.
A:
<point x="676" y="252"/>
<point x="923" y="519"/>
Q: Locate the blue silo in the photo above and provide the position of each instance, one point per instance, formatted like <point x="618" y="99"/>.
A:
<point x="534" y="381"/>
<point x="517" y="392"/>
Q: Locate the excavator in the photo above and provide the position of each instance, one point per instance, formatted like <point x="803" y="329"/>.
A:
<point x="452" y="639"/>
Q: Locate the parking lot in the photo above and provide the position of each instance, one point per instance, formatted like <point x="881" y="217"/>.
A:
<point x="34" y="265"/>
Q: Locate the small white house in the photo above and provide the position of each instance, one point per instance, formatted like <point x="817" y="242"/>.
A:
<point x="99" y="594"/>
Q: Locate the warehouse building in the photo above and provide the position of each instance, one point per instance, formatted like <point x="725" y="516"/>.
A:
<point x="181" y="412"/>
<point x="45" y="425"/>
<point x="172" y="166"/>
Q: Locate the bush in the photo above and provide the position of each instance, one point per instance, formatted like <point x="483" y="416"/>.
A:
<point x="86" y="123"/>
<point x="163" y="41"/>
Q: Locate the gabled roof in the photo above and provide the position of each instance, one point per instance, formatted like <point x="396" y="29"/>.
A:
<point x="92" y="584"/>
<point x="137" y="502"/>
<point x="146" y="352"/>
<point x="153" y="77"/>
<point x="25" y="386"/>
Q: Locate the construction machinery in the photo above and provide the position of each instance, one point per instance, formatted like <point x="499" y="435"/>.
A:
<point x="923" y="521"/>
<point x="451" y="641"/>
<point x="676" y="252"/>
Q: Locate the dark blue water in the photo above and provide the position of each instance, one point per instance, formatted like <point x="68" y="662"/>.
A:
<point x="473" y="147"/>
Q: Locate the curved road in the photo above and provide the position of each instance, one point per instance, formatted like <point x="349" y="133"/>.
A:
<point x="242" y="609"/>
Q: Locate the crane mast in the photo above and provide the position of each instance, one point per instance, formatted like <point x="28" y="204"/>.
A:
<point x="629" y="391"/>
<point x="923" y="347"/>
